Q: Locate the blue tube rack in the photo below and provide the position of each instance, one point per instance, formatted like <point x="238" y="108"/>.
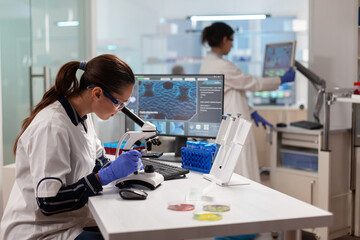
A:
<point x="198" y="156"/>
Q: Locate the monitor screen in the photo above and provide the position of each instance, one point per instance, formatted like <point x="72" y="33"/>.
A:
<point x="278" y="58"/>
<point x="179" y="105"/>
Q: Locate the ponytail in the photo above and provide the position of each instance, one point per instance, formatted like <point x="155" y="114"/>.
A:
<point x="65" y="84"/>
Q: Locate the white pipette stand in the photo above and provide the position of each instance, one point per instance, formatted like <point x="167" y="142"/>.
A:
<point x="231" y="137"/>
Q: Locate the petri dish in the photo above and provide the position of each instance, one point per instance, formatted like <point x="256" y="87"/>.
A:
<point x="207" y="216"/>
<point x="216" y="207"/>
<point x="181" y="206"/>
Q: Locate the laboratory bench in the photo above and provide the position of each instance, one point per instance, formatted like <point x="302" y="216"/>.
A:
<point x="254" y="208"/>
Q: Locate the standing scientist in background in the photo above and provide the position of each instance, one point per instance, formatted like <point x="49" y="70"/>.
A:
<point x="219" y="37"/>
<point x="60" y="162"/>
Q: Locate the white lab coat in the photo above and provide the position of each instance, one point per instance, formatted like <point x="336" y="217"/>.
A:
<point x="51" y="148"/>
<point x="236" y="83"/>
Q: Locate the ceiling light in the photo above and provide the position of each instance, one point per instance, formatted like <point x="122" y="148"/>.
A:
<point x="67" y="23"/>
<point x="228" y="17"/>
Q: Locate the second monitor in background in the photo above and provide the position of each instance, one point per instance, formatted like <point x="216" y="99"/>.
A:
<point x="278" y="58"/>
<point x="182" y="106"/>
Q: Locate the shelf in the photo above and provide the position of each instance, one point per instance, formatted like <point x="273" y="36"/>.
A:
<point x="348" y="100"/>
<point x="239" y="34"/>
<point x="182" y="62"/>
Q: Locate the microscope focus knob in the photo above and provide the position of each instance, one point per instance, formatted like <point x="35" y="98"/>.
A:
<point x="149" y="169"/>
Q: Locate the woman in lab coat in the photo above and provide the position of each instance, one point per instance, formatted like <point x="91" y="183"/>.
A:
<point x="219" y="36"/>
<point x="59" y="159"/>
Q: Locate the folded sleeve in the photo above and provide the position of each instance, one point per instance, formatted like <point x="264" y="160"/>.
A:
<point x="67" y="198"/>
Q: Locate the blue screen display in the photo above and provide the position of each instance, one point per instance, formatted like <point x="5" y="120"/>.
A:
<point x="179" y="105"/>
<point x="278" y="59"/>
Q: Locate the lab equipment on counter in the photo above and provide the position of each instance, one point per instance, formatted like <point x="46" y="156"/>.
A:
<point x="207" y="216"/>
<point x="216" y="207"/>
<point x="133" y="194"/>
<point x="198" y="156"/>
<point x="231" y="138"/>
<point x="166" y="170"/>
<point x="181" y="206"/>
<point x="149" y="154"/>
<point x="147" y="177"/>
<point x="131" y="138"/>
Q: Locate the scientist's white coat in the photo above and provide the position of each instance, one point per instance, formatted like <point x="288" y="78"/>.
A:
<point x="67" y="154"/>
<point x="236" y="83"/>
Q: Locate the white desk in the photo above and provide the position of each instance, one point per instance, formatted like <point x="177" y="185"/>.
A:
<point x="255" y="208"/>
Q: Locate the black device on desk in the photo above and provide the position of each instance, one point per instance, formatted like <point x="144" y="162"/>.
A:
<point x="133" y="194"/>
<point x="150" y="154"/>
<point x="180" y="106"/>
<point x="167" y="170"/>
<point x="307" y="125"/>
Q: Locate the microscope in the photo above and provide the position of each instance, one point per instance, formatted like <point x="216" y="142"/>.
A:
<point x="148" y="132"/>
<point x="148" y="177"/>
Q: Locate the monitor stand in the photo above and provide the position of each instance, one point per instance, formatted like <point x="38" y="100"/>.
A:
<point x="176" y="156"/>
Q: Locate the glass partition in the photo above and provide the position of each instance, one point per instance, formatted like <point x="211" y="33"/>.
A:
<point x="35" y="34"/>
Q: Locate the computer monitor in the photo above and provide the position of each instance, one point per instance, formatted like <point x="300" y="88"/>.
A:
<point x="278" y="58"/>
<point x="182" y="106"/>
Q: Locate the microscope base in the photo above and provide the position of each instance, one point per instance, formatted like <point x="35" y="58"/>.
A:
<point x="149" y="180"/>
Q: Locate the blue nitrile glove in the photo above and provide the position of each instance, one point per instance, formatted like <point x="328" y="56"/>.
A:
<point x="289" y="76"/>
<point x="124" y="165"/>
<point x="257" y="118"/>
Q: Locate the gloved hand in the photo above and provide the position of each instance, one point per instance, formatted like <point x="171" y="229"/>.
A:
<point x="257" y="118"/>
<point x="124" y="165"/>
<point x="289" y="76"/>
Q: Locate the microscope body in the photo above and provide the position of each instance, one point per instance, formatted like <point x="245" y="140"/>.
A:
<point x="149" y="179"/>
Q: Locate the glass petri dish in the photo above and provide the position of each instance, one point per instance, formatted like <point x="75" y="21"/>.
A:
<point x="181" y="206"/>
<point x="207" y="216"/>
<point x="216" y="207"/>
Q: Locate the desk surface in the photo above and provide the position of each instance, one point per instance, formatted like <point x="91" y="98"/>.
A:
<point x="255" y="208"/>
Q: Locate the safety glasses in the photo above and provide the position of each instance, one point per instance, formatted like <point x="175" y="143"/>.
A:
<point x="117" y="104"/>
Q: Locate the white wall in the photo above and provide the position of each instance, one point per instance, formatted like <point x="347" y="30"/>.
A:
<point x="333" y="51"/>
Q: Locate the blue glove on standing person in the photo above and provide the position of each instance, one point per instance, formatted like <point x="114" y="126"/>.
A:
<point x="289" y="76"/>
<point x="257" y="118"/>
<point x="124" y="165"/>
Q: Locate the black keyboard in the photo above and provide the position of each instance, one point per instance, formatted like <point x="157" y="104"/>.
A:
<point x="167" y="170"/>
<point x="307" y="125"/>
<point x="152" y="154"/>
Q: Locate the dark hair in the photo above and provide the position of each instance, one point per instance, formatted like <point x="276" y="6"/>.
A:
<point x="215" y="33"/>
<point x="106" y="71"/>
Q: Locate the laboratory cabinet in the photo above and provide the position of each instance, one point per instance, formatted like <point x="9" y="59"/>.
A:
<point x="301" y="169"/>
